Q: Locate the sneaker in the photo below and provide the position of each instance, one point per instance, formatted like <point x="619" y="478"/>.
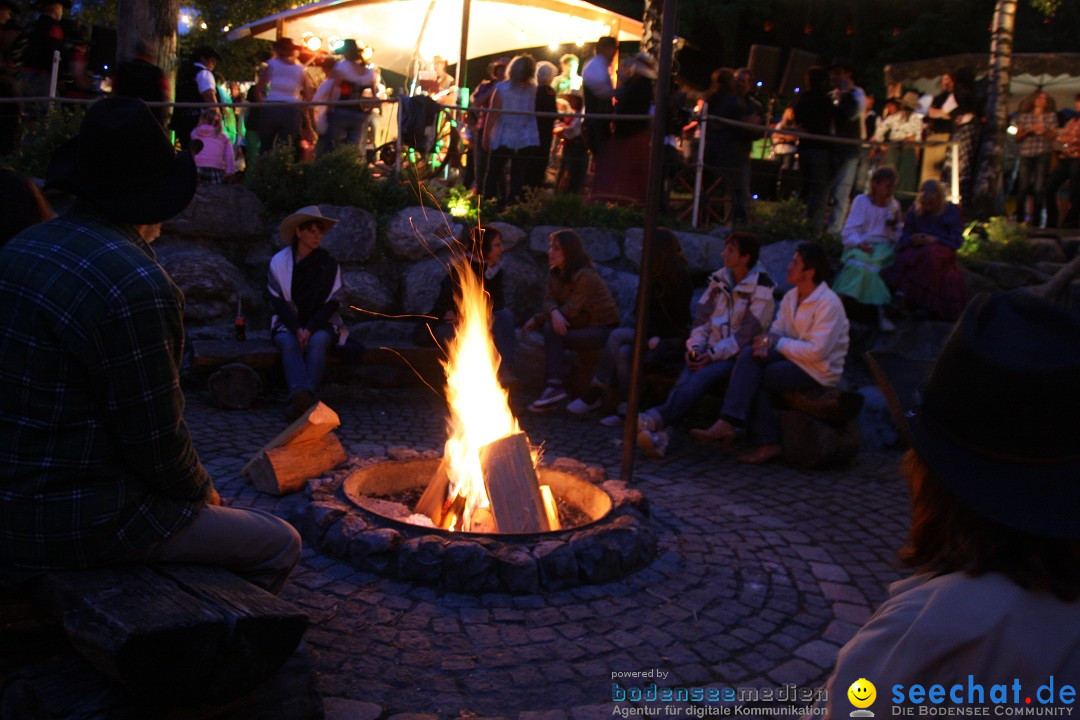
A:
<point x="552" y="396"/>
<point x="649" y="421"/>
<point x="579" y="406"/>
<point x="611" y="420"/>
<point x="653" y="444"/>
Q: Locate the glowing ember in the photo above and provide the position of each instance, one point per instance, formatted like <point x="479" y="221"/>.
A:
<point x="479" y="405"/>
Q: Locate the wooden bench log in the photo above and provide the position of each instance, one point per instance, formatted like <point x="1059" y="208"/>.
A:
<point x="177" y="634"/>
<point x="235" y="386"/>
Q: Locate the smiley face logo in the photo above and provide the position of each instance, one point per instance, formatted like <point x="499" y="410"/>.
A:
<point x="862" y="694"/>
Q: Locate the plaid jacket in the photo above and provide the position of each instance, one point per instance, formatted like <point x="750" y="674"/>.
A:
<point x="95" y="458"/>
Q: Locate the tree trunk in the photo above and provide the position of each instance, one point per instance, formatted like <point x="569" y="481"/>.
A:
<point x="988" y="191"/>
<point x="650" y="39"/>
<point x="152" y="21"/>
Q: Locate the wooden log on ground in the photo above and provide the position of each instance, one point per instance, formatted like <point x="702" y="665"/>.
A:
<point x="512" y="486"/>
<point x="176" y="634"/>
<point x="433" y="502"/>
<point x="303" y="450"/>
<point x="235" y="386"/>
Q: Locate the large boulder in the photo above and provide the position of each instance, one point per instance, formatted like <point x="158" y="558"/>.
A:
<point x="416" y="232"/>
<point x="512" y="235"/>
<point x="1009" y="276"/>
<point x="538" y="238"/>
<point x="703" y="252"/>
<point x="228" y="213"/>
<point x="420" y="286"/>
<point x="623" y="287"/>
<point x="211" y="284"/>
<point x="1045" y="249"/>
<point x="352" y="240"/>
<point x="363" y="290"/>
<point x="524" y="283"/>
<point x="775" y="259"/>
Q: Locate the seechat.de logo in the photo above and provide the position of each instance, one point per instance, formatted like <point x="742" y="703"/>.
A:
<point x="862" y="694"/>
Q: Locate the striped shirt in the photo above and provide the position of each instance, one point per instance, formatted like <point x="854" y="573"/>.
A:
<point x="95" y="459"/>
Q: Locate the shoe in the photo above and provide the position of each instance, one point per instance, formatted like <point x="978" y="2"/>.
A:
<point x="653" y="444"/>
<point x="649" y="420"/>
<point x="720" y="431"/>
<point x="299" y="402"/>
<point x="508" y="379"/>
<point x="579" y="406"/>
<point x="612" y="420"/>
<point x="552" y="396"/>
<point x="761" y="454"/>
<point x="886" y="325"/>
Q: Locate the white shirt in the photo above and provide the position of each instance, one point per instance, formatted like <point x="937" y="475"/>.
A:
<point x="597" y="77"/>
<point x="286" y="80"/>
<point x="814" y="333"/>
<point x="868" y="222"/>
<point x="204" y="80"/>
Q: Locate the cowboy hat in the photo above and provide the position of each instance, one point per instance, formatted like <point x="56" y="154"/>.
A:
<point x="349" y="48"/>
<point x="205" y="52"/>
<point x="998" y="417"/>
<point x="122" y="162"/>
<point x="910" y="100"/>
<point x="287" y="231"/>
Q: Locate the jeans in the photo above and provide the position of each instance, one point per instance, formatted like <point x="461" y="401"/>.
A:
<point x="814" y="170"/>
<point x="341" y="121"/>
<point x="256" y="545"/>
<point x="747" y="399"/>
<point x="1032" y="174"/>
<point x="303" y="369"/>
<point x="845" y="166"/>
<point x="691" y="387"/>
<point x="614" y="365"/>
<point x="585" y="338"/>
<point x="279" y="123"/>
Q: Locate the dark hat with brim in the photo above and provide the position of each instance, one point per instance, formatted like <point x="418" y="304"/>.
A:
<point x="205" y="51"/>
<point x="122" y="162"/>
<point x="997" y="418"/>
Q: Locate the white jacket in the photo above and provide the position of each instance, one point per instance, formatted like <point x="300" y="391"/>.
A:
<point x="814" y="334"/>
<point x="723" y="309"/>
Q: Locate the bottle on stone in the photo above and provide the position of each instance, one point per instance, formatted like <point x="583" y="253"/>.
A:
<point x="241" y="324"/>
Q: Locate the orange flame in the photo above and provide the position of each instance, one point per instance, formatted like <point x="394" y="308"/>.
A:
<point x="479" y="405"/>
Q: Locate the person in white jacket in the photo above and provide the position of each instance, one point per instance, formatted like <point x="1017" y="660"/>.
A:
<point x="737" y="306"/>
<point x="805" y="348"/>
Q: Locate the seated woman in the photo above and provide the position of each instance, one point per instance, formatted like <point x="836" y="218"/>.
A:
<point x="578" y="312"/>
<point x="871" y="230"/>
<point x="303" y="285"/>
<point x="484" y="253"/>
<point x="667" y="322"/>
<point x="737" y="306"/>
<point x="924" y="272"/>
<point x="805" y="348"/>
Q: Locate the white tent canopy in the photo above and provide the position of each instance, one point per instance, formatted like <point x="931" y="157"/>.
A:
<point x="1056" y="73"/>
<point x="396" y="29"/>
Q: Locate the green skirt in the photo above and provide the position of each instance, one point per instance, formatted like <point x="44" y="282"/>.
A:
<point x="860" y="277"/>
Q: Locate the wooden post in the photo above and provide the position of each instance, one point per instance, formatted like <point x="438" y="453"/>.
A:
<point x="512" y="486"/>
<point x="303" y="450"/>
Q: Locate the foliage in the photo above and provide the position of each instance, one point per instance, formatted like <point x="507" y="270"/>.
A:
<point x="59" y="125"/>
<point x="460" y="202"/>
<point x="543" y="208"/>
<point x="778" y="221"/>
<point x="336" y="178"/>
<point x="998" y="239"/>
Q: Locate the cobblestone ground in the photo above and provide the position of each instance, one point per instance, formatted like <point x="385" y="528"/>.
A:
<point x="762" y="574"/>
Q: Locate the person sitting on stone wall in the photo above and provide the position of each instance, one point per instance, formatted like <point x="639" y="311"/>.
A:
<point x="737" y="306"/>
<point x="578" y="313"/>
<point x="805" y="348"/>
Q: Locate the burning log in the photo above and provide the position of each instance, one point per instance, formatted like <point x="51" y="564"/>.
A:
<point x="303" y="450"/>
<point x="434" y="501"/>
<point x="512" y="485"/>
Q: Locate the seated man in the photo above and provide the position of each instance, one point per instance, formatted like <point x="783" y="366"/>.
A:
<point x="805" y="348"/>
<point x="994" y="538"/>
<point x="737" y="306"/>
<point x="96" y="463"/>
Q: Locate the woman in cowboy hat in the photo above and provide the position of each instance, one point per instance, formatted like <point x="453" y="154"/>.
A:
<point x="304" y="282"/>
<point x="992" y="613"/>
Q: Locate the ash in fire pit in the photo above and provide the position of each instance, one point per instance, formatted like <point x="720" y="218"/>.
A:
<point x="364" y="516"/>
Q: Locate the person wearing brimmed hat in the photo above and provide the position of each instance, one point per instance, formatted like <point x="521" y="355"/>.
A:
<point x="98" y="466"/>
<point x="350" y="78"/>
<point x="304" y="282"/>
<point x="903" y="126"/>
<point x="994" y="477"/>
<point x="283" y="82"/>
<point x="194" y="84"/>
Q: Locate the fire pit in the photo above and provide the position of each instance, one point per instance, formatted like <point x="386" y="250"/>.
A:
<point x="487" y="515"/>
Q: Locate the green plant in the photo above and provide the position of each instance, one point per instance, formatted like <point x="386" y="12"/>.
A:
<point x="997" y="239"/>
<point x="278" y="179"/>
<point x="778" y="221"/>
<point x="543" y="208"/>
<point x="39" y="143"/>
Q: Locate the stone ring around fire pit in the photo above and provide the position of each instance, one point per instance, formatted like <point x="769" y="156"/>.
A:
<point x="614" y="538"/>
